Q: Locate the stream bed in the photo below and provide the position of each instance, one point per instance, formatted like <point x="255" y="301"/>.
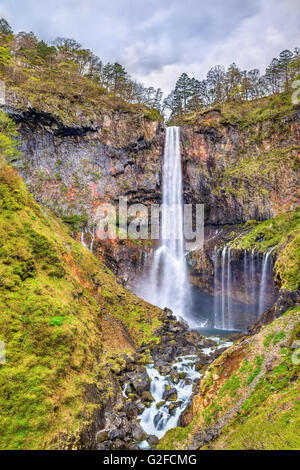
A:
<point x="171" y="393"/>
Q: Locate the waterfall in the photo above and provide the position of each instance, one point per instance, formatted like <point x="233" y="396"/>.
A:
<point x="253" y="301"/>
<point x="167" y="285"/>
<point x="82" y="239"/>
<point x="252" y="276"/>
<point x="216" y="292"/>
<point x="246" y="279"/>
<point x="158" y="419"/>
<point x="262" y="289"/>
<point x="92" y="234"/>
<point x="229" y="303"/>
<point x="223" y="322"/>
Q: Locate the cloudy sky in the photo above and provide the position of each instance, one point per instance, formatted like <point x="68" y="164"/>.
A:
<point x="157" y="40"/>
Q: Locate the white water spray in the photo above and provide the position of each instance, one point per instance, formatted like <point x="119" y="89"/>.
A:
<point x="167" y="285"/>
<point x="255" y="288"/>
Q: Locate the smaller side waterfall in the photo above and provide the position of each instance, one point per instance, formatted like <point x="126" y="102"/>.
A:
<point x="265" y="266"/>
<point x="218" y="320"/>
<point x="229" y="302"/>
<point x="91" y="234"/>
<point x="241" y="292"/>
<point x="246" y="277"/>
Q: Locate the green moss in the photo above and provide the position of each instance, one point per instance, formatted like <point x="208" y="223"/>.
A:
<point x="278" y="337"/>
<point x="50" y="311"/>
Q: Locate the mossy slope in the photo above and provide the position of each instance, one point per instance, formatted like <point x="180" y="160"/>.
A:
<point x="54" y="299"/>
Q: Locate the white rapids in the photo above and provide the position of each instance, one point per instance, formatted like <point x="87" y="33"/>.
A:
<point x="157" y="421"/>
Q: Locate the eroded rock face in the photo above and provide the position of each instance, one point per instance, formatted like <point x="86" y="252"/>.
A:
<point x="223" y="167"/>
<point x="74" y="170"/>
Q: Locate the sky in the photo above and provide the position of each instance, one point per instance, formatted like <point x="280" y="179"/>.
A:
<point x="157" y="40"/>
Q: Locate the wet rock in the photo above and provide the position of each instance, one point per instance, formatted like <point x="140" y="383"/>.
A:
<point x="131" y="410"/>
<point x="186" y="416"/>
<point x="174" y="406"/>
<point x="104" y="445"/>
<point x="133" y="447"/>
<point x="147" y="397"/>
<point x="102" y="436"/>
<point x="152" y="440"/>
<point x="164" y="369"/>
<point x="118" y="444"/>
<point x="170" y="394"/>
<point x="137" y="432"/>
<point x="116" y="434"/>
<point x="141" y="381"/>
<point x="175" y="378"/>
<point x="199" y="365"/>
<point x="160" y="404"/>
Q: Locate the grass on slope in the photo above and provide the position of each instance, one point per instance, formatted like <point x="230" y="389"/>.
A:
<point x="246" y="113"/>
<point x="53" y="296"/>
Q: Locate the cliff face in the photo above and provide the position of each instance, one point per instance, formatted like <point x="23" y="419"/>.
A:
<point x="241" y="171"/>
<point x="74" y="169"/>
<point x="241" y="167"/>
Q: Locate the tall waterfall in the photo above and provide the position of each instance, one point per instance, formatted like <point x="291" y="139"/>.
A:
<point x="240" y="293"/>
<point x="168" y="285"/>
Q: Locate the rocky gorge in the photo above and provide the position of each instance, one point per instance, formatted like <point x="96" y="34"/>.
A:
<point x="102" y="341"/>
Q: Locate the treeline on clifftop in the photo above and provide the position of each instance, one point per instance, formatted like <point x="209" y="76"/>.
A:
<point x="65" y="74"/>
<point x="233" y="85"/>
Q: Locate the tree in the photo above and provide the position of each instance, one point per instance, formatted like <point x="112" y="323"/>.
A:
<point x="216" y="84"/>
<point x="272" y="76"/>
<point x="294" y="65"/>
<point x="183" y="91"/>
<point x="45" y="52"/>
<point x="5" y="28"/>
<point x="285" y="59"/>
<point x="233" y="83"/>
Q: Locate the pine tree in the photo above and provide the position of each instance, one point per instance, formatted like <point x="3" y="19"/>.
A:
<point x="5" y="28"/>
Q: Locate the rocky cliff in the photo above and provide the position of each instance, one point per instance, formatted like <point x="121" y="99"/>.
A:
<point x="241" y="163"/>
<point x="242" y="166"/>
<point x="74" y="169"/>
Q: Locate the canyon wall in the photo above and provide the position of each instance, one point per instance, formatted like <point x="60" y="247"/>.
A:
<point x="241" y="171"/>
<point x="74" y="169"/>
<point x="240" y="167"/>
